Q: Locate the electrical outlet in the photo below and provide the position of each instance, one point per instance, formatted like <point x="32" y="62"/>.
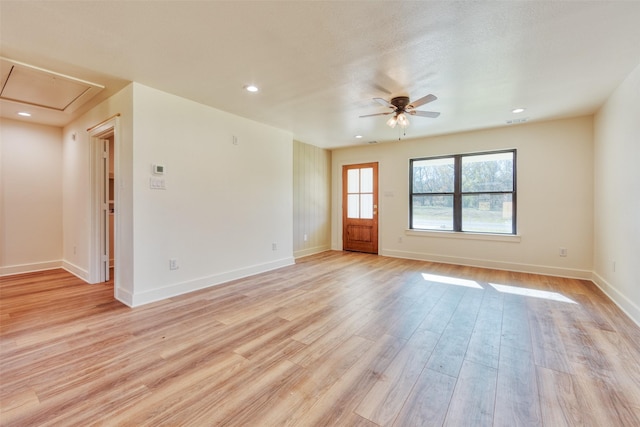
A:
<point x="304" y="238"/>
<point x="173" y="264"/>
<point x="563" y="251"/>
<point x="400" y="239"/>
<point x="274" y="246"/>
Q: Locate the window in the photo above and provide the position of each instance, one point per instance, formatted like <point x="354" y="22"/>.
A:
<point x="464" y="192"/>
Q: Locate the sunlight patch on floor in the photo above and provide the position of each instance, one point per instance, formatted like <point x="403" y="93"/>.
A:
<point x="527" y="292"/>
<point x="535" y="293"/>
<point x="451" y="281"/>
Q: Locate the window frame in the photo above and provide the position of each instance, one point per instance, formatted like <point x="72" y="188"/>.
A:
<point x="458" y="193"/>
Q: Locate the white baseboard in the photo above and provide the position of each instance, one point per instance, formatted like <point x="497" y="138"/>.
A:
<point x="625" y="304"/>
<point x="497" y="265"/>
<point x="76" y="271"/>
<point x="124" y="296"/>
<point x="138" y="299"/>
<point x="29" y="268"/>
<point x="311" y="251"/>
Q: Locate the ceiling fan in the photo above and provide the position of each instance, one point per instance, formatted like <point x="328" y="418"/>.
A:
<point x="401" y="106"/>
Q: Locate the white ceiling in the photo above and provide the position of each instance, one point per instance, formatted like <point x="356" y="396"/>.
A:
<point x="319" y="64"/>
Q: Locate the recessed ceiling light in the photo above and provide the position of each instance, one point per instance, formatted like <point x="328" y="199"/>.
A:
<point x="24" y="114"/>
<point x="358" y="136"/>
<point x="517" y="110"/>
<point x="251" y="88"/>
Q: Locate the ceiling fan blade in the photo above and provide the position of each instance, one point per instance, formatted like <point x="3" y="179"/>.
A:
<point x="431" y="114"/>
<point x="384" y="102"/>
<point x="378" y="114"/>
<point x="422" y="101"/>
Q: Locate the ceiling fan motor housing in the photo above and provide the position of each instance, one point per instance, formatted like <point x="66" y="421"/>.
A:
<point x="400" y="102"/>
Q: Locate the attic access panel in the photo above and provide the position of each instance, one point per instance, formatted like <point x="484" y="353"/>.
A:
<point x="42" y="88"/>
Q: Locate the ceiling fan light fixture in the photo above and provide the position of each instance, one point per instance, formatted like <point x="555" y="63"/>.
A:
<point x="400" y="108"/>
<point x="402" y="120"/>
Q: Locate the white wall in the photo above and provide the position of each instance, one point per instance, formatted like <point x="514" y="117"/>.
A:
<point x="30" y="197"/>
<point x="617" y="196"/>
<point x="224" y="206"/>
<point x="555" y="201"/>
<point x="76" y="199"/>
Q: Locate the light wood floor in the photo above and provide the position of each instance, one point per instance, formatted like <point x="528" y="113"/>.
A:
<point x="339" y="339"/>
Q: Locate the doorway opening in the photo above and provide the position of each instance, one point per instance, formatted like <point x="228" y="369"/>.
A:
<point x="110" y="190"/>
<point x="104" y="197"/>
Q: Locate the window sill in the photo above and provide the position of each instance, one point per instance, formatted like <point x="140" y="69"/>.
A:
<point x="465" y="235"/>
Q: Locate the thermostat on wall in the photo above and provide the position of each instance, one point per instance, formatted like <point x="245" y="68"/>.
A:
<point x="158" y="169"/>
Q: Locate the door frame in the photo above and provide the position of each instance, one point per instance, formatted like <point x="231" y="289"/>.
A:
<point x="376" y="201"/>
<point x="99" y="180"/>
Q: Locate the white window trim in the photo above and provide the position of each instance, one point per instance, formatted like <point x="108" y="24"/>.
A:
<point x="464" y="235"/>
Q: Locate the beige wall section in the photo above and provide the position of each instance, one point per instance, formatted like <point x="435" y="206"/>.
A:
<point x="555" y="198"/>
<point x="617" y="196"/>
<point x="76" y="183"/>
<point x="311" y="199"/>
<point x="30" y="197"/>
<point x="227" y="210"/>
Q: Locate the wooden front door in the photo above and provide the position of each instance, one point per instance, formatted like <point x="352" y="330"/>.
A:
<point x="360" y="208"/>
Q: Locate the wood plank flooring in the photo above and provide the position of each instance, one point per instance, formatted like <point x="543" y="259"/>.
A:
<point x="339" y="339"/>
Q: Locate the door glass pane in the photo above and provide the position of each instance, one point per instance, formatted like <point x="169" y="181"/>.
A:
<point x="487" y="172"/>
<point x="366" y="180"/>
<point x="433" y="212"/>
<point x="353" y="206"/>
<point x="366" y="206"/>
<point x="487" y="213"/>
<point x="353" y="181"/>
